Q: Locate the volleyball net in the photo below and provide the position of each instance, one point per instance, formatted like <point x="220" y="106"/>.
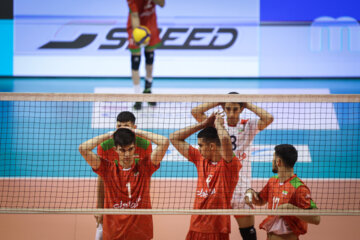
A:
<point x="42" y="171"/>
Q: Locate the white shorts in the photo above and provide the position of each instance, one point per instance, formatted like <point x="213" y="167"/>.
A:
<point x="99" y="232"/>
<point x="238" y="199"/>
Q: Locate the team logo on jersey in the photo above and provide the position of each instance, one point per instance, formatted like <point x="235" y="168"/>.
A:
<point x="205" y="193"/>
<point x="284" y="192"/>
<point x="242" y="125"/>
<point x="128" y="204"/>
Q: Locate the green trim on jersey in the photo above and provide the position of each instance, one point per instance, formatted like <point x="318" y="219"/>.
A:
<point x="142" y="143"/>
<point x="139" y="142"/>
<point x="136" y="50"/>
<point x="275" y="176"/>
<point x="108" y="144"/>
<point x="154" y="46"/>
<point x="312" y="204"/>
<point x="295" y="182"/>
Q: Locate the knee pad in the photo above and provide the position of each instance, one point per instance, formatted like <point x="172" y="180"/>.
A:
<point x="149" y="57"/>
<point x="248" y="233"/>
<point x="135" y="62"/>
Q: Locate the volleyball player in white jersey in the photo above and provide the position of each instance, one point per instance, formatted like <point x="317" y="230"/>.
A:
<point x="242" y="133"/>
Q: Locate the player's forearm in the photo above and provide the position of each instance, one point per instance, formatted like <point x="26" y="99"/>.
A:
<point x="135" y="20"/>
<point x="266" y="118"/>
<point x="184" y="133"/>
<point x="153" y="137"/>
<point x="162" y="144"/>
<point x="89" y="145"/>
<point x="199" y="111"/>
<point x="310" y="219"/>
<point x="100" y="192"/>
<point x="255" y="197"/>
<point x="262" y="113"/>
<point x="313" y="219"/>
<point x="86" y="148"/>
<point x="260" y="202"/>
<point x="161" y="3"/>
<point x="225" y="141"/>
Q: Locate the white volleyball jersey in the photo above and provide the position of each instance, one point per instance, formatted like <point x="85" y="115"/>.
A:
<point x="242" y="136"/>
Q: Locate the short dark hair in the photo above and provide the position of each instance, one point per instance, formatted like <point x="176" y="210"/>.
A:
<point x="210" y="135"/>
<point x="124" y="137"/>
<point x="287" y="153"/>
<point x="126" y="116"/>
<point x="240" y="103"/>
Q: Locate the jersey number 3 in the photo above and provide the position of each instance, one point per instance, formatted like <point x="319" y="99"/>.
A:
<point x="233" y="142"/>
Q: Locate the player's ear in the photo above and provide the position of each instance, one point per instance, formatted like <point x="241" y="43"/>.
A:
<point x="134" y="127"/>
<point x="212" y="146"/>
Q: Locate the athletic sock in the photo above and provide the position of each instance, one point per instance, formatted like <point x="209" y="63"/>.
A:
<point x="137" y="88"/>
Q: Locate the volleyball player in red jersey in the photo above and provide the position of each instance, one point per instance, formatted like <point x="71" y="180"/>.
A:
<point x="218" y="173"/>
<point x="143" y="12"/>
<point x="127" y="185"/>
<point x="242" y="133"/>
<point x="106" y="150"/>
<point x="284" y="191"/>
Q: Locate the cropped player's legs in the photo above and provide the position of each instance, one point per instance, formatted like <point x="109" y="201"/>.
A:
<point x="208" y="236"/>
<point x="246" y="227"/>
<point x="245" y="223"/>
<point x="291" y="236"/>
<point x="149" y="63"/>
<point x="135" y="75"/>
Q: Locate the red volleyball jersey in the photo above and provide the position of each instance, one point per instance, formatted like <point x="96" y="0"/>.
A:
<point x="215" y="187"/>
<point x="127" y="189"/>
<point x="292" y="191"/>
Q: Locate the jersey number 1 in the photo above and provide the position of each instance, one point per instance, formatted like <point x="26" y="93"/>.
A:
<point x="208" y="180"/>
<point x="129" y="189"/>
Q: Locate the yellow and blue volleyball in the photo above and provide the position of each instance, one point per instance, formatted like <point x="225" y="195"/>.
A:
<point x="141" y="35"/>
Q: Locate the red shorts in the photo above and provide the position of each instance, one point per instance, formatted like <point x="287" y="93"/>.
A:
<point x="206" y="236"/>
<point x="151" y="23"/>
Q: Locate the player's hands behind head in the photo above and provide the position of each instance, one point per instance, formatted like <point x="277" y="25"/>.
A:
<point x="219" y="119"/>
<point x="209" y="122"/>
<point x="214" y="119"/>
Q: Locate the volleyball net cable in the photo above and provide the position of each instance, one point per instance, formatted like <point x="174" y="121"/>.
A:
<point x="42" y="171"/>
